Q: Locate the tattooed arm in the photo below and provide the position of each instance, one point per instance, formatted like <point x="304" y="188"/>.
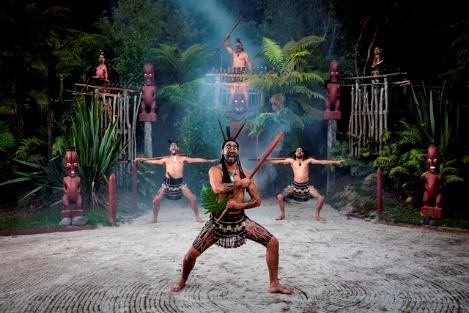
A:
<point x="215" y="175"/>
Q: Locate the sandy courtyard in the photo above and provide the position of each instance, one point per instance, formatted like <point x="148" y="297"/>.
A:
<point x="345" y="265"/>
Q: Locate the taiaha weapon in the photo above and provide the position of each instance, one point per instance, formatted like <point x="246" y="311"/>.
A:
<point x="229" y="33"/>
<point x="273" y="159"/>
<point x="262" y="159"/>
<point x="235" y="25"/>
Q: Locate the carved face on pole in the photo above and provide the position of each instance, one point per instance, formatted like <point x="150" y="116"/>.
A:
<point x="148" y="74"/>
<point x="230" y="151"/>
<point x="334" y="71"/>
<point x="433" y="164"/>
<point x="239" y="101"/>
<point x="71" y="163"/>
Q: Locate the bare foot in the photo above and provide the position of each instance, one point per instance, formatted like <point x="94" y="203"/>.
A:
<point x="279" y="288"/>
<point x="198" y="219"/>
<point x="178" y="286"/>
<point x="153" y="220"/>
<point x="320" y="219"/>
<point x="280" y="217"/>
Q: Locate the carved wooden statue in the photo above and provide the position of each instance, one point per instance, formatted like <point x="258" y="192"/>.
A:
<point x="332" y="102"/>
<point x="148" y="104"/>
<point x="72" y="192"/>
<point x="432" y="197"/>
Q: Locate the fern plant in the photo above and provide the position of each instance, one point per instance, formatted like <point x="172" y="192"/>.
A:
<point x="211" y="202"/>
<point x="289" y="77"/>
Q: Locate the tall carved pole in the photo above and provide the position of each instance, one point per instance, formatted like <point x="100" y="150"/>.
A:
<point x="332" y="101"/>
<point x="148" y="107"/>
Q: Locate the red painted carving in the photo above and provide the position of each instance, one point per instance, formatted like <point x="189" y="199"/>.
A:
<point x="71" y="187"/>
<point x="333" y="93"/>
<point x="432" y="197"/>
<point x="148" y="103"/>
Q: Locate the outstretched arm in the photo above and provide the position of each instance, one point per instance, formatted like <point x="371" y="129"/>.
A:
<point x="156" y="162"/>
<point x="199" y="160"/>
<point x="285" y="161"/>
<point x="324" y="162"/>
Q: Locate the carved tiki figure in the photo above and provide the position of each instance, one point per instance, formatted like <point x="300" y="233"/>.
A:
<point x="433" y="185"/>
<point x="148" y="103"/>
<point x="72" y="195"/>
<point x="239" y="101"/>
<point x="333" y="93"/>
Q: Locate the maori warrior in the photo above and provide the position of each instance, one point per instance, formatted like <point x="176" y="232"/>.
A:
<point x="72" y="192"/>
<point x="239" y="95"/>
<point x="173" y="186"/>
<point x="433" y="185"/>
<point x="300" y="189"/>
<point x="228" y="181"/>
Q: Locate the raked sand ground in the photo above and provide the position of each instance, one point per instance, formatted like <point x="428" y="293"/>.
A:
<point x="345" y="265"/>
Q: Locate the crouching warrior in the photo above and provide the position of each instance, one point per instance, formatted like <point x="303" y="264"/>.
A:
<point x="228" y="181"/>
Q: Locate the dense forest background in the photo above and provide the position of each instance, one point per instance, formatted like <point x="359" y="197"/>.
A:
<point x="48" y="46"/>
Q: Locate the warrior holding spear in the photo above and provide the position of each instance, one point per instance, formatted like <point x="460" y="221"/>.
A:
<point x="239" y="95"/>
<point x="173" y="186"/>
<point x="228" y="181"/>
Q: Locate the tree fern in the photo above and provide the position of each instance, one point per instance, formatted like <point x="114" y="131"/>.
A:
<point x="273" y="53"/>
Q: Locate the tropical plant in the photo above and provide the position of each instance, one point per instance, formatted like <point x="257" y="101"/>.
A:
<point x="290" y="86"/>
<point x="98" y="150"/>
<point x="182" y="69"/>
<point x="288" y="76"/>
<point x="437" y="121"/>
<point x="40" y="180"/>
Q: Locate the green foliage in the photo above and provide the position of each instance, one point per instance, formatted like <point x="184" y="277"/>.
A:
<point x="437" y="121"/>
<point x="180" y="66"/>
<point x="182" y="69"/>
<point x="133" y="32"/>
<point x="210" y="201"/>
<point x="284" y="120"/>
<point x="42" y="181"/>
<point x="40" y="219"/>
<point x="30" y="149"/>
<point x="7" y="140"/>
<point x="201" y="139"/>
<point x="288" y="78"/>
<point x="98" y="151"/>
